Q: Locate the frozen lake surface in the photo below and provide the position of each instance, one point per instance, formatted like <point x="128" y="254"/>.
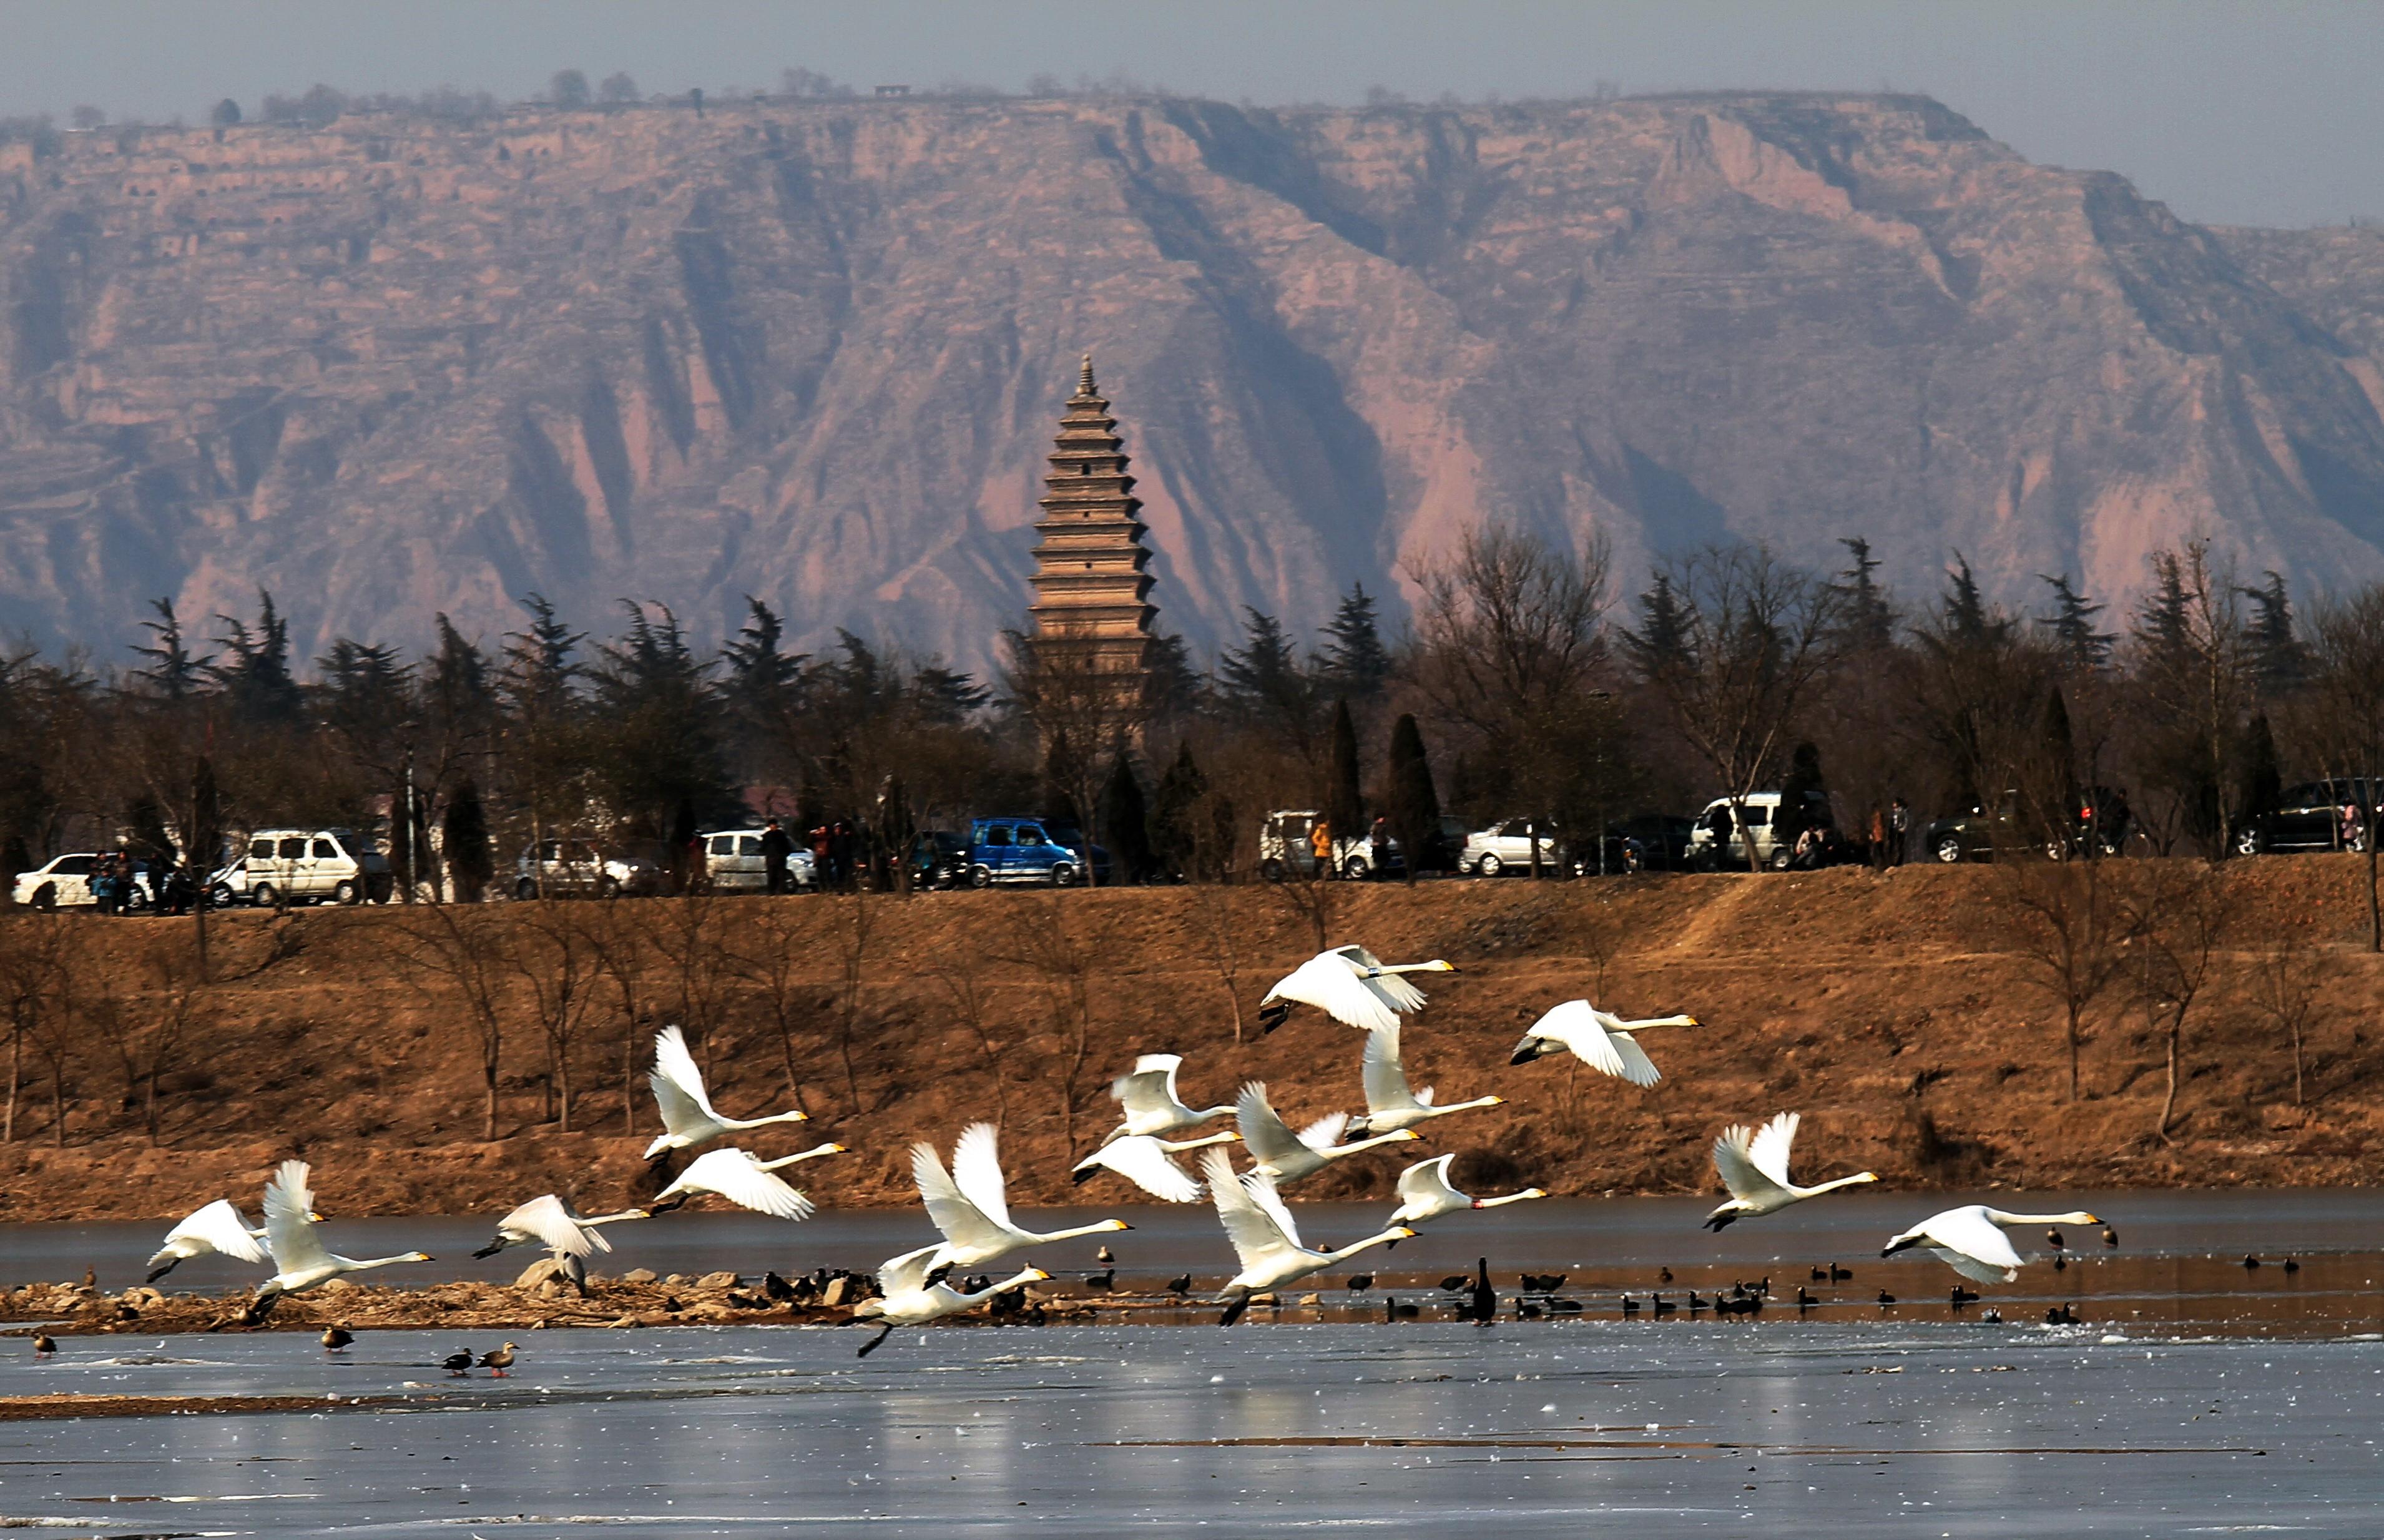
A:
<point x="2200" y="1398"/>
<point x="1540" y="1428"/>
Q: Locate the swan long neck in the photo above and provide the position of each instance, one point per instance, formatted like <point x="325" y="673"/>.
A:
<point x="1005" y="1285"/>
<point x="1104" y="1227"/>
<point x="1173" y="1146"/>
<point x="1469" y="1106"/>
<point x="764" y="1123"/>
<point x="1435" y="966"/>
<point x="812" y="1154"/>
<point x="1399" y="1136"/>
<point x="349" y="1264"/>
<point x="1510" y="1197"/>
<point x="1856" y="1180"/>
<point x="1216" y="1113"/>
<point x="1354" y="1247"/>
<point x="2074" y="1217"/>
<point x="616" y="1219"/>
<point x="1657" y="1020"/>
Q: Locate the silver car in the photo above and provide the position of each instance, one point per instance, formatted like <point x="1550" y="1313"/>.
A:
<point x="733" y="864"/>
<point x="1505" y="845"/>
<point x="580" y="868"/>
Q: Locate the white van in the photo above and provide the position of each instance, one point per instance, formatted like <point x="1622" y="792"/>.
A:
<point x="312" y="865"/>
<point x="732" y="861"/>
<point x="1758" y="816"/>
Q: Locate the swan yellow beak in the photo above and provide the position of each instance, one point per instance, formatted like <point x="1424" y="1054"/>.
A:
<point x="1406" y="1134"/>
<point x="838" y="1149"/>
<point x="1440" y="967"/>
<point x="1119" y="1225"/>
<point x="1039" y="1272"/>
<point x="1497" y="1101"/>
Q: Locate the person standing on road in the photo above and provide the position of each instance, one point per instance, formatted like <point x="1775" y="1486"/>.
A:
<point x="776" y="849"/>
<point x="1378" y="841"/>
<point x="1319" y="846"/>
<point x="1899" y="831"/>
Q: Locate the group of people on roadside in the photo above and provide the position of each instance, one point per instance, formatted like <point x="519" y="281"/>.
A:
<point x="837" y="855"/>
<point x="120" y="884"/>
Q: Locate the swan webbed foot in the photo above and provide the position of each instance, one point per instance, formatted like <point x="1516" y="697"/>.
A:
<point x="871" y="1345"/>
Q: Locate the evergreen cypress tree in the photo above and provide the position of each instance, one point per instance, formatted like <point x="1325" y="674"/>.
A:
<point x="1662" y="638"/>
<point x="2072" y="623"/>
<point x="2279" y="656"/>
<point x="1413" y="805"/>
<point x="1870" y="617"/>
<point x="1355" y="658"/>
<point x="1126" y="828"/>
<point x="173" y="673"/>
<point x="1345" y="807"/>
<point x="1964" y="613"/>
<point x="1262" y="677"/>
<point x="471" y="865"/>
<point x="205" y="835"/>
<point x="1795" y="812"/>
<point x="1174" y="811"/>
<point x="2260" y="782"/>
<point x="255" y="672"/>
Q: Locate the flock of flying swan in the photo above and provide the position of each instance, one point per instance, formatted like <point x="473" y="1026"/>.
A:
<point x="967" y="1201"/>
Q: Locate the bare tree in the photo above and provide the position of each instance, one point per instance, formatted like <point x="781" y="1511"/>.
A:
<point x="558" y="965"/>
<point x="1508" y="644"/>
<point x="2346" y="712"/>
<point x="693" y="945"/>
<point x="459" y="950"/>
<point x="147" y="1039"/>
<point x="2178" y="913"/>
<point x="1744" y="637"/>
<point x="1044" y="936"/>
<point x="33" y="967"/>
<point x="2195" y="679"/>
<point x="2068" y="925"/>
<point x="1221" y="941"/>
<point x="1085" y="708"/>
<point x="2287" y="974"/>
<point x="773" y="955"/>
<point x="623" y="959"/>
<point x="966" y="990"/>
<point x="854" y="926"/>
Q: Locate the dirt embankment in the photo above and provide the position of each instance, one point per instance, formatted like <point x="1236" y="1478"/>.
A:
<point x="1892" y="1010"/>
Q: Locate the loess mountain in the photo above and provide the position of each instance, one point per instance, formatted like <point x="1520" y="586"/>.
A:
<point x="815" y="352"/>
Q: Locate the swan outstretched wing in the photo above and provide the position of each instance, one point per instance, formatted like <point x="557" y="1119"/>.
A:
<point x="733" y="1175"/>
<point x="1260" y="1231"/>
<point x="1396" y="993"/>
<point x="949" y="1208"/>
<point x="1149" y="1086"/>
<point x="1637" y="1068"/>
<point x="1970" y="1267"/>
<point x="218" y="1227"/>
<point x="1576" y="1024"/>
<point x="547" y="1219"/>
<point x="905" y="1275"/>
<point x="289" y="1232"/>
<point x="1746" y="1181"/>
<point x="1427" y="1181"/>
<point x="1385" y="1076"/>
<point x="678" y="1085"/>
<point x="1326" y="1132"/>
<point x="1769" y="1150"/>
<point x="1330" y="983"/>
<point x="1975" y="1237"/>
<point x="976" y="1170"/>
<point x="1265" y="1134"/>
<point x="1143" y="1162"/>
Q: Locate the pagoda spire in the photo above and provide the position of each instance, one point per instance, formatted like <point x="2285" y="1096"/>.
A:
<point x="1091" y="584"/>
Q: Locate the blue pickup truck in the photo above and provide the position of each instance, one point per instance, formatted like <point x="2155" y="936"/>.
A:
<point x="1030" y="850"/>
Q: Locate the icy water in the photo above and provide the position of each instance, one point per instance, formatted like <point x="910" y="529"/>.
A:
<point x="2198" y="1398"/>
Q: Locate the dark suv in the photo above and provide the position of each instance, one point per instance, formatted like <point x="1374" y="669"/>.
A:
<point x="2316" y="815"/>
<point x="2099" y="825"/>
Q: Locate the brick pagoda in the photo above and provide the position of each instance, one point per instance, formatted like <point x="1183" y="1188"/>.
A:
<point x="1091" y="594"/>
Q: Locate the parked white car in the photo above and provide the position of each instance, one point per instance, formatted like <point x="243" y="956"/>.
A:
<point x="732" y="861"/>
<point x="1505" y="846"/>
<point x="1760" y="817"/>
<point x="65" y="883"/>
<point x="1284" y="849"/>
<point x="310" y="867"/>
<point x="581" y="868"/>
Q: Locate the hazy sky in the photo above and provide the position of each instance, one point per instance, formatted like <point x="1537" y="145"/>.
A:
<point x="2265" y="112"/>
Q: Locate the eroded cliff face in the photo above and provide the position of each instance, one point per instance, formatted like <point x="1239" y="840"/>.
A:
<point x="815" y="353"/>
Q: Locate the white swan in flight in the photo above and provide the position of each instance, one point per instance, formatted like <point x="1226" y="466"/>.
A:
<point x="736" y="1176"/>
<point x="1425" y="1193"/>
<point x="687" y="1117"/>
<point x="1281" y="1155"/>
<point x="217" y="1230"/>
<point x="1143" y="1160"/>
<point x="1754" y="1166"/>
<point x="1265" y="1237"/>
<point x="1389" y="1103"/>
<point x="915" y="1294"/>
<point x="300" y="1261"/>
<point x="1147" y="1093"/>
<point x="569" y="1236"/>
<point x="971" y="1206"/>
<point x="1350" y="985"/>
<point x="1598" y="1038"/>
<point x="1972" y="1241"/>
